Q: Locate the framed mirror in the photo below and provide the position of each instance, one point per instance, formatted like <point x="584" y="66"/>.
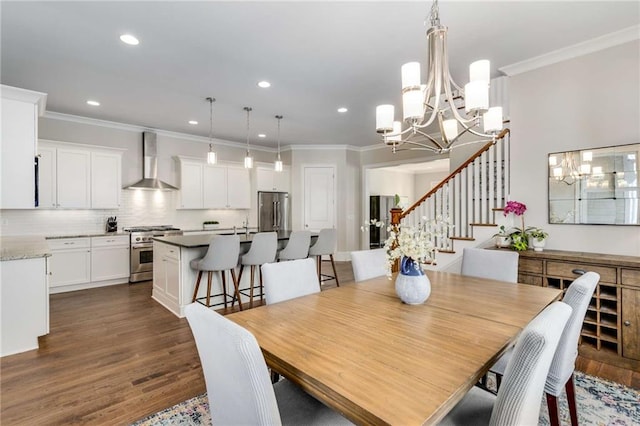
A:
<point x="595" y="186"/>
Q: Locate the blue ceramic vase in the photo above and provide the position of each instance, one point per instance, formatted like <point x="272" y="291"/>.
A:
<point x="412" y="285"/>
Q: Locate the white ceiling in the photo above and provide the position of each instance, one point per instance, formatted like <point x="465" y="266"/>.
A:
<point x="317" y="55"/>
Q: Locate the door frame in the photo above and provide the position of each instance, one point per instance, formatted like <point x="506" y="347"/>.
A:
<point x="333" y="166"/>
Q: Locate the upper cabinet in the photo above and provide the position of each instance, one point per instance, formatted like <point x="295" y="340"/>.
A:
<point x="268" y="179"/>
<point x="79" y="177"/>
<point x="221" y="186"/>
<point x="20" y="111"/>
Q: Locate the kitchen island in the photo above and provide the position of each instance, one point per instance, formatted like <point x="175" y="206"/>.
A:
<point x="173" y="278"/>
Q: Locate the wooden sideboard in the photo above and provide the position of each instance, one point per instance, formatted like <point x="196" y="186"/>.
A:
<point x="612" y="324"/>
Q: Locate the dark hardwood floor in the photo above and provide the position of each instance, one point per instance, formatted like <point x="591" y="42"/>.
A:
<point x="114" y="356"/>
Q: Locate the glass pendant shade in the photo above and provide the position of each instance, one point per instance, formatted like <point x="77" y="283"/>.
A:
<point x="412" y="107"/>
<point x="480" y="71"/>
<point x="384" y="118"/>
<point x="450" y="128"/>
<point x="395" y="135"/>
<point x="476" y="95"/>
<point x="248" y="161"/>
<point x="277" y="166"/>
<point x="410" y="74"/>
<point x="493" y="120"/>
<point x="212" y="158"/>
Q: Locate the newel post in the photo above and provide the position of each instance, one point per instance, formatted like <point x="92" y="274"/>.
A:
<point x="396" y="217"/>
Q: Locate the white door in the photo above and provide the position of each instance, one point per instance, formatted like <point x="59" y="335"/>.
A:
<point x="319" y="198"/>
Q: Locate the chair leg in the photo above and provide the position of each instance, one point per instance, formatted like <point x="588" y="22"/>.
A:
<point x="195" y="291"/>
<point x="552" y="404"/>
<point x="335" y="274"/>
<point x="275" y="377"/>
<point x="253" y="272"/>
<point x="233" y="301"/>
<point x="236" y="287"/>
<point x="224" y="288"/>
<point x="319" y="267"/>
<point x="571" y="399"/>
<point x="261" y="286"/>
<point x="498" y="381"/>
<point x="209" y="273"/>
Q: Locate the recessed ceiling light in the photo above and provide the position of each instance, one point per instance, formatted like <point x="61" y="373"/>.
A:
<point x="264" y="84"/>
<point x="93" y="103"/>
<point x="194" y="122"/>
<point x="129" y="39"/>
<point x="262" y="135"/>
<point x="342" y="109"/>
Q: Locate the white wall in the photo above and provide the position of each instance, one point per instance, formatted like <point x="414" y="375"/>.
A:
<point x="423" y="182"/>
<point x="586" y="102"/>
<point x="391" y="182"/>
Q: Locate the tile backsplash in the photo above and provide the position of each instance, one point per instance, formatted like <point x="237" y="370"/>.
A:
<point x="138" y="207"/>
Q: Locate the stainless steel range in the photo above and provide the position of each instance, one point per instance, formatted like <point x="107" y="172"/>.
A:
<point x="142" y="249"/>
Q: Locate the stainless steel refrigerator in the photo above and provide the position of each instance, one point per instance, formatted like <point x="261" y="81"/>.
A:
<point x="273" y="211"/>
<point x="379" y="208"/>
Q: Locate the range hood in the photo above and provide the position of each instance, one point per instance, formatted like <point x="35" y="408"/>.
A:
<point x="150" y="165"/>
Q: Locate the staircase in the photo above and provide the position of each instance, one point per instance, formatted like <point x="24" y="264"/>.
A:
<point x="471" y="197"/>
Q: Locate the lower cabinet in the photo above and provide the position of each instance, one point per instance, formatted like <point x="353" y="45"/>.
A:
<point x="86" y="262"/>
<point x="166" y="275"/>
<point x="611" y="327"/>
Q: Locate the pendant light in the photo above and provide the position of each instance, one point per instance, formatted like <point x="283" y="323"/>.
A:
<point x="212" y="158"/>
<point x="248" y="159"/>
<point x="278" y="164"/>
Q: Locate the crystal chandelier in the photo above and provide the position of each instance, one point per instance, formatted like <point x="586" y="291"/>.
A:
<point x="439" y="100"/>
<point x="211" y="155"/>
<point x="248" y="159"/>
<point x="278" y="163"/>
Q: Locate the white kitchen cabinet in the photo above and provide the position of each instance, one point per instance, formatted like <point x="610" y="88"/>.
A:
<point x="20" y="109"/>
<point x="75" y="176"/>
<point x="25" y="304"/>
<point x="70" y="261"/>
<point x="204" y="186"/>
<point x="267" y="179"/>
<point x="109" y="257"/>
<point x="106" y="180"/>
<point x="166" y="274"/>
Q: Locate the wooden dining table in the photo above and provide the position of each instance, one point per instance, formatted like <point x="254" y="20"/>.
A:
<point x="363" y="352"/>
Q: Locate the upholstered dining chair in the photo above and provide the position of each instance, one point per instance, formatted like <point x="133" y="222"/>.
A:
<point x="325" y="245"/>
<point x="493" y="264"/>
<point x="237" y="379"/>
<point x="520" y="396"/>
<point x="368" y="264"/>
<point x="287" y="280"/>
<point x="560" y="376"/>
<point x="221" y="256"/>
<point x="297" y="247"/>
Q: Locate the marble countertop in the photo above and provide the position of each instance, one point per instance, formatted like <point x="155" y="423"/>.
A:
<point x="202" y="240"/>
<point x="87" y="234"/>
<point x="27" y="247"/>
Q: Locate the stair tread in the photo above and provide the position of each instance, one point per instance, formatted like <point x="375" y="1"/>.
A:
<point x="446" y="251"/>
<point x="462" y="238"/>
<point x="498" y="209"/>
<point x="483" y="224"/>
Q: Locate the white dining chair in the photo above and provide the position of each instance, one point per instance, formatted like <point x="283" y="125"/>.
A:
<point x="287" y="280"/>
<point x="493" y="264"/>
<point x="237" y="379"/>
<point x="520" y="396"/>
<point x="560" y="376"/>
<point x="369" y="264"/>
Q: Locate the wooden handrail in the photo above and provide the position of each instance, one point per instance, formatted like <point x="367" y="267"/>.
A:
<point x="399" y="216"/>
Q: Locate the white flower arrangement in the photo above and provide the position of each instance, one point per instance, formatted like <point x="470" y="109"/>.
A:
<point x="370" y="223"/>
<point x="416" y="242"/>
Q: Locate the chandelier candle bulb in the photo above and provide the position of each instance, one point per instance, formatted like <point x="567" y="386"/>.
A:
<point x="476" y="94"/>
<point x="384" y="118"/>
<point x="480" y="71"/>
<point x="410" y="74"/>
<point x="450" y="128"/>
<point x="412" y="106"/>
<point x="492" y="120"/>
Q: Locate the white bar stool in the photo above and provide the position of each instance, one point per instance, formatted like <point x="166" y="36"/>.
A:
<point x="222" y="256"/>
<point x="325" y="246"/>
<point x="264" y="246"/>
<point x="297" y="246"/>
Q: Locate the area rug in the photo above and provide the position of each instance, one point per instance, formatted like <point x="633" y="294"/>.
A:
<point x="600" y="402"/>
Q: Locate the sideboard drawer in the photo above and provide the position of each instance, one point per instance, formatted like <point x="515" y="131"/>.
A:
<point x="530" y="265"/>
<point x="530" y="279"/>
<point x="562" y="269"/>
<point x="631" y="277"/>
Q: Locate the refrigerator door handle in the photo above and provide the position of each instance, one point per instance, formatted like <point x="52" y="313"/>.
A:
<point x="275" y="215"/>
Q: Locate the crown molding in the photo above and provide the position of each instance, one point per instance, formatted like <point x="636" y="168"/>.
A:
<point x="323" y="147"/>
<point x="25" y="95"/>
<point x="599" y="43"/>
<point x="139" y="129"/>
